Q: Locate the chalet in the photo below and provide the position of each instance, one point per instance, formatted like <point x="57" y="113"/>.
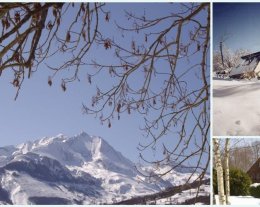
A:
<point x="254" y="172"/>
<point x="249" y="67"/>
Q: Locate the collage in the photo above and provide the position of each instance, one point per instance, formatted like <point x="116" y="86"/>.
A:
<point x="130" y="103"/>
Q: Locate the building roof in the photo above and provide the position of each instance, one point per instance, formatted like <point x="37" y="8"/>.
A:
<point x="253" y="55"/>
<point x="254" y="165"/>
<point x="245" y="66"/>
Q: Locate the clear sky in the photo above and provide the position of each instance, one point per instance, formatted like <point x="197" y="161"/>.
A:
<point x="238" y="24"/>
<point x="41" y="110"/>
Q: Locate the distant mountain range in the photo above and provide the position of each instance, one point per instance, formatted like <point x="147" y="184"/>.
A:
<point x="81" y="169"/>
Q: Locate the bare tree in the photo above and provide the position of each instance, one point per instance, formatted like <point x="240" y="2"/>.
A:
<point x="230" y="58"/>
<point x="172" y="58"/>
<point x="244" y="155"/>
<point x="173" y="106"/>
<point x="31" y="33"/>
<point x="219" y="168"/>
<point x="256" y="149"/>
<point x="226" y="168"/>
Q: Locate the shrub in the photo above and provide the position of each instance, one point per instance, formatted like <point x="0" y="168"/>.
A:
<point x="255" y="191"/>
<point x="239" y="182"/>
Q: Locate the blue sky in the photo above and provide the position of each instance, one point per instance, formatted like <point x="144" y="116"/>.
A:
<point x="41" y="110"/>
<point x="238" y="24"/>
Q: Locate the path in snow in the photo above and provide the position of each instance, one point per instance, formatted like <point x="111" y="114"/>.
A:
<point x="236" y="107"/>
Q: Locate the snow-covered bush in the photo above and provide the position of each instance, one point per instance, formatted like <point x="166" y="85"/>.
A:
<point x="249" y="75"/>
<point x="230" y="58"/>
<point x="255" y="191"/>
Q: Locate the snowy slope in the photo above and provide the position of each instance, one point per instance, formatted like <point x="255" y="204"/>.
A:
<point x="81" y="169"/>
<point x="236" y="108"/>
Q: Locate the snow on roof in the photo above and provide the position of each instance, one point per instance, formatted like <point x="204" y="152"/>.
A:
<point x="252" y="55"/>
<point x="246" y="66"/>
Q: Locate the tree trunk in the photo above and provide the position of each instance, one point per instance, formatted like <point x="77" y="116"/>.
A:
<point x="226" y="161"/>
<point x="214" y="198"/>
<point x="221" y="52"/>
<point x="221" y="193"/>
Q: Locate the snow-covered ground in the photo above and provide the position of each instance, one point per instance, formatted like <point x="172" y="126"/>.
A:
<point x="185" y="195"/>
<point x="242" y="200"/>
<point x="236" y="108"/>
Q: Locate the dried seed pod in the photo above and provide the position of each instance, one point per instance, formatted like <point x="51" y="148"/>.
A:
<point x="107" y="18"/>
<point x="16" y="57"/>
<point x="154" y="101"/>
<point x="50" y="25"/>
<point x="68" y="37"/>
<point x="17" y="17"/>
<point x="54" y="12"/>
<point x="84" y="35"/>
<point x="118" y="108"/>
<point x="164" y="151"/>
<point x="16" y="82"/>
<point x="198" y="47"/>
<point x="133" y="45"/>
<point x="89" y="79"/>
<point x="49" y="81"/>
<point x="111" y="70"/>
<point x="34" y="18"/>
<point x="58" y="21"/>
<point x="107" y="44"/>
<point x="63" y="86"/>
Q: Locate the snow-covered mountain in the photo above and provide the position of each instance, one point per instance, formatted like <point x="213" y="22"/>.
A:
<point x="81" y="169"/>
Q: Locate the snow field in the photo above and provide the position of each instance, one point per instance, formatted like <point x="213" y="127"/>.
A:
<point x="241" y="200"/>
<point x="236" y="110"/>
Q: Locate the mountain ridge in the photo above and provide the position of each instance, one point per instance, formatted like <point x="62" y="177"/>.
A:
<point x="83" y="168"/>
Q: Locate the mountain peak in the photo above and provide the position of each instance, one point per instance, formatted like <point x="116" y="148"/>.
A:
<point x="82" y="134"/>
<point x="78" y="150"/>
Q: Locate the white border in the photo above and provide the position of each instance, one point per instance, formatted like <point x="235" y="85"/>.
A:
<point x="211" y="103"/>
